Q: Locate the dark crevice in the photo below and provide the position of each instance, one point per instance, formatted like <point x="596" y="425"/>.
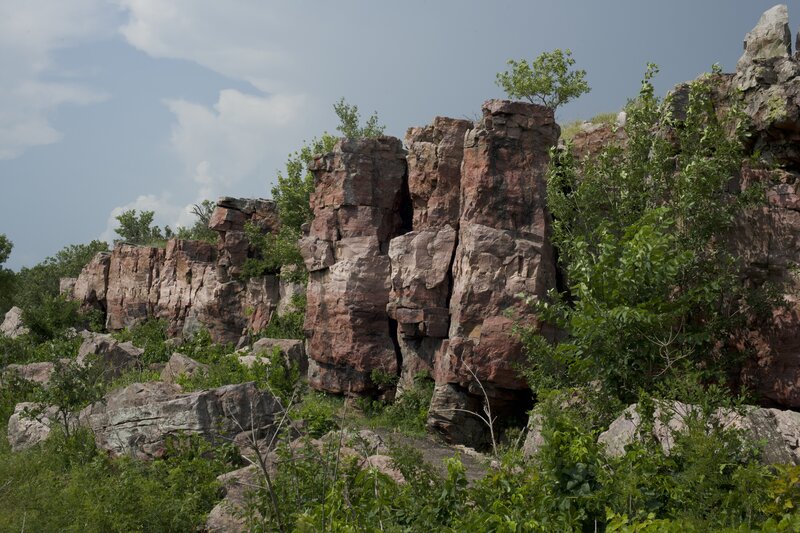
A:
<point x="398" y="354"/>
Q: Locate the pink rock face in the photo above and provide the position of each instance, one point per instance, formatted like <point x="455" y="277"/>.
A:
<point x="503" y="252"/>
<point x="190" y="284"/>
<point x="360" y="188"/>
<point x="767" y="241"/>
<point x="435" y="153"/>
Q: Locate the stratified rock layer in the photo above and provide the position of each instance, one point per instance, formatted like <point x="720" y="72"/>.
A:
<point x="138" y="419"/>
<point x="360" y="191"/>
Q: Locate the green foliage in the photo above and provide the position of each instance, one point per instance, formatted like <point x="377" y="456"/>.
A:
<point x="200" y="231"/>
<point x="274" y="251"/>
<point x="408" y="413"/>
<point x="68" y="485"/>
<point x="548" y="80"/>
<point x="294" y="188"/>
<point x="569" y="130"/>
<point x="283" y="378"/>
<point x="350" y="119"/>
<point x="639" y="231"/>
<point x="151" y="336"/>
<point x="73" y="385"/>
<point x="319" y="412"/>
<point x="138" y="229"/>
<point x="40" y="283"/>
<point x="6" y="276"/>
<point x="289" y="325"/>
<point x="54" y="315"/>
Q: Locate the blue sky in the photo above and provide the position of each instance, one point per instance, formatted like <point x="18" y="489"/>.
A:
<point x="157" y="104"/>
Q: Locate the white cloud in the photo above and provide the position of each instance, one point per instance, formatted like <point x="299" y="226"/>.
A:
<point x="225" y="143"/>
<point x="30" y="32"/>
<point x="237" y="38"/>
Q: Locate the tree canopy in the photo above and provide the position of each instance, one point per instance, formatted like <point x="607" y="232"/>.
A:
<point x="549" y="80"/>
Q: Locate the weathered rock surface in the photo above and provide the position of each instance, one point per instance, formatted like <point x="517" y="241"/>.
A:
<point x="190" y="284"/>
<point x="360" y="189"/>
<point x="503" y="251"/>
<point x="180" y="365"/>
<point x="25" y="431"/>
<point x="778" y="430"/>
<point x="771" y="37"/>
<point x="229" y="514"/>
<point x="13" y="325"/>
<point x="137" y="420"/>
<point x="114" y="357"/>
<point x="435" y="153"/>
<point x="34" y="372"/>
<point x="292" y="349"/>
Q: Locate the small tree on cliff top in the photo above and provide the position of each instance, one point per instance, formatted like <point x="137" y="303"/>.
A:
<point x="548" y="80"/>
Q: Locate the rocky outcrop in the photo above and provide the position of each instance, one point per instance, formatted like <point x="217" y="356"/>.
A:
<point x="239" y="486"/>
<point x="422" y="259"/>
<point x="12" y="325"/>
<point x="357" y="203"/>
<point x="113" y="357"/>
<point x="777" y="432"/>
<point x="190" y="284"/>
<point x="180" y="365"/>
<point x="138" y="419"/>
<point x="503" y="252"/>
<point x="25" y="430"/>
<point x="34" y="372"/>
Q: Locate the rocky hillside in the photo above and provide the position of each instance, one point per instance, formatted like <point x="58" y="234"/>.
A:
<point x="421" y="252"/>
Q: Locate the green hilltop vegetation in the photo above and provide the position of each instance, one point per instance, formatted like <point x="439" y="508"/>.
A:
<point x="650" y="297"/>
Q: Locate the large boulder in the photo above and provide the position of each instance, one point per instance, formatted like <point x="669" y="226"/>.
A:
<point x="180" y="365"/>
<point x="12" y="325"/>
<point x="777" y="431"/>
<point x="26" y="430"/>
<point x="293" y="350"/>
<point x="38" y="373"/>
<point x="138" y="419"/>
<point x="357" y="203"/>
<point x="114" y="357"/>
<point x="240" y="487"/>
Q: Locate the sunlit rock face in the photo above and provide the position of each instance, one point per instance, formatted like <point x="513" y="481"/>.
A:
<point x="359" y="205"/>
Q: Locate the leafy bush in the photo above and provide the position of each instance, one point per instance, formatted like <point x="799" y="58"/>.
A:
<point x="548" y="80"/>
<point x="652" y="291"/>
<point x="151" y="336"/>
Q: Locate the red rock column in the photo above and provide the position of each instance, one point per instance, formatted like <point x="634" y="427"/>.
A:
<point x="503" y="252"/>
<point x="421" y="259"/>
<point x="360" y="189"/>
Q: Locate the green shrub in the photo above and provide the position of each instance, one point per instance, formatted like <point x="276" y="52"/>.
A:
<point x="150" y="336"/>
<point x="640" y="231"/>
<point x="68" y="485"/>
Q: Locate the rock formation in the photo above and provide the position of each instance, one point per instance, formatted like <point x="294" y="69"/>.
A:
<point x="138" y="419"/>
<point x="778" y="431"/>
<point x="12" y="325"/>
<point x="358" y="201"/>
<point x="190" y="284"/>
